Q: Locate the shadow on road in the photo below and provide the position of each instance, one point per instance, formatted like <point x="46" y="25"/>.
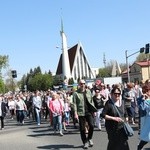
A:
<point x="58" y="147"/>
<point x="47" y="132"/>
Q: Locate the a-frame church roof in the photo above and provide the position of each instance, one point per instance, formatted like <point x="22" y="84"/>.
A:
<point x="79" y="66"/>
<point x="71" y="54"/>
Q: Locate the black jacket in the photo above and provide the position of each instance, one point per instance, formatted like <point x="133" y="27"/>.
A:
<point x="3" y="108"/>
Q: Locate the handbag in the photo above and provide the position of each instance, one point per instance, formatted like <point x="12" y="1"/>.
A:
<point x="127" y="128"/>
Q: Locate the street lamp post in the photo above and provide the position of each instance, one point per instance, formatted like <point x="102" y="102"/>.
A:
<point x="146" y="50"/>
<point x="127" y="64"/>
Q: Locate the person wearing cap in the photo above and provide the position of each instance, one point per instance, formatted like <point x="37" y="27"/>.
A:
<point x="84" y="111"/>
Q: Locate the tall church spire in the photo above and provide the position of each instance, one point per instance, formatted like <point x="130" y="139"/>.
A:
<point x="65" y="57"/>
<point x="62" y="28"/>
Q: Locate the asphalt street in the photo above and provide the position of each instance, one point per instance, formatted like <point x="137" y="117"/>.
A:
<point x="32" y="137"/>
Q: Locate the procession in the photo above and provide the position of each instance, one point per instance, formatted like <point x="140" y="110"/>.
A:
<point x="74" y="75"/>
<point x="85" y="112"/>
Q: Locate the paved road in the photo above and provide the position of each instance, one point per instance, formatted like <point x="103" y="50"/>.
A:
<point x="33" y="137"/>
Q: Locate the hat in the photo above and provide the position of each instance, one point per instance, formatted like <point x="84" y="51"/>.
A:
<point x="98" y="82"/>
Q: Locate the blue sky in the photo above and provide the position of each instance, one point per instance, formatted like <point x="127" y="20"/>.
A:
<point x="30" y="30"/>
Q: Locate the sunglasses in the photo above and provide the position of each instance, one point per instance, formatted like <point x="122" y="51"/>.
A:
<point x="117" y="94"/>
<point x="82" y="83"/>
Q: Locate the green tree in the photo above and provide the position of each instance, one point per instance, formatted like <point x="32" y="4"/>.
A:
<point x="3" y="64"/>
<point x="23" y="82"/>
<point x="57" y="80"/>
<point x="103" y="72"/>
<point x="37" y="82"/>
<point x="10" y="85"/>
<point x="41" y="82"/>
<point x="49" y="72"/>
<point x="37" y="71"/>
<point x="2" y="86"/>
<point x="3" y="61"/>
<point x="71" y="81"/>
<point x="31" y="72"/>
<point x="142" y="57"/>
<point x="106" y="72"/>
<point x="47" y="81"/>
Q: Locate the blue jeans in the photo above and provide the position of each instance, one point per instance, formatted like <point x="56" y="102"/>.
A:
<point x="67" y="117"/>
<point x="38" y="115"/>
<point x="57" y="120"/>
<point x="20" y="115"/>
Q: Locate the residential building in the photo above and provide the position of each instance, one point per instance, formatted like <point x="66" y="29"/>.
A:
<point x="138" y="71"/>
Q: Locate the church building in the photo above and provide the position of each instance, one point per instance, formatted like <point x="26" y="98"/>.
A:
<point x="73" y="62"/>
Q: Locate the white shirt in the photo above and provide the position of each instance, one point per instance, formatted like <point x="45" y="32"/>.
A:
<point x="20" y="105"/>
<point x="37" y="102"/>
<point x="11" y="104"/>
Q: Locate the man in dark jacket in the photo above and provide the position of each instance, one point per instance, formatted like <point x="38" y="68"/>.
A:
<point x="2" y="112"/>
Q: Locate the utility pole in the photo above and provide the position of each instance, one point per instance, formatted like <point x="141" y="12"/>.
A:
<point x="142" y="50"/>
<point x="127" y="63"/>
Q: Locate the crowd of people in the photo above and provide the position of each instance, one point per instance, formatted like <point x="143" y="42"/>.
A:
<point x="88" y="107"/>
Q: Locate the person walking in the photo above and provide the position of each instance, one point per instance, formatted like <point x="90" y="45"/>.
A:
<point x="117" y="139"/>
<point x="129" y="98"/>
<point x="84" y="110"/>
<point x="75" y="121"/>
<point x="20" y="107"/>
<point x="11" y="106"/>
<point x="56" y="109"/>
<point x="99" y="104"/>
<point x="144" y="114"/>
<point x="2" y="112"/>
<point x="37" y="104"/>
<point x="67" y="110"/>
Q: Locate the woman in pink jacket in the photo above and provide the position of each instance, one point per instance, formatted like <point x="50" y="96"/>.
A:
<point x="56" y="109"/>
